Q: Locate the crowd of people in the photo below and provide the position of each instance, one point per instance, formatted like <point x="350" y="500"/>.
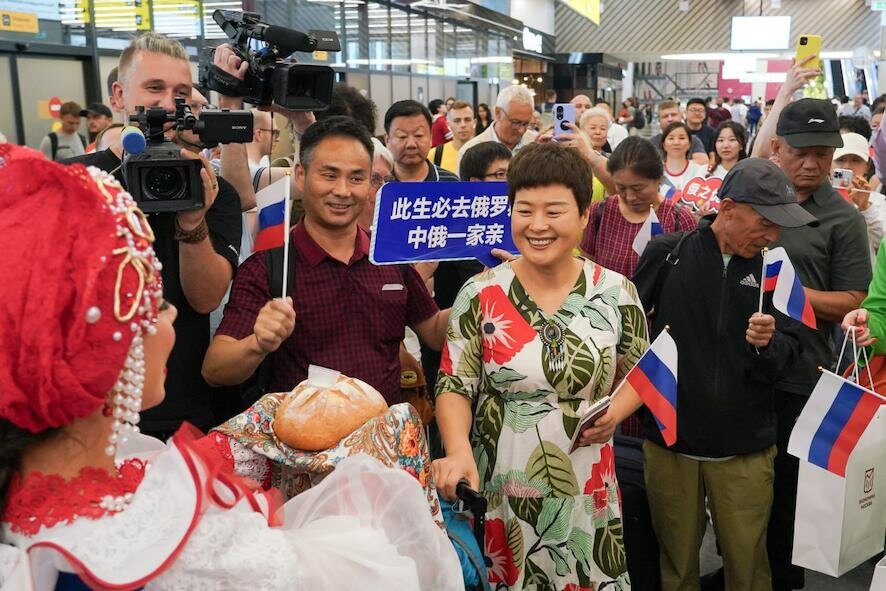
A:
<point x="123" y="345"/>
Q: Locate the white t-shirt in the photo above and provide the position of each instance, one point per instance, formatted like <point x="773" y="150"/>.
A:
<point x="719" y="172"/>
<point x="679" y="180"/>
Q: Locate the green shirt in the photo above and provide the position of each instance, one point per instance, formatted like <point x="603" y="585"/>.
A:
<point x="834" y="256"/>
<point x="875" y="304"/>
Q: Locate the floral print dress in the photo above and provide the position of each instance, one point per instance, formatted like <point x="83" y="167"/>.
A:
<point x="554" y="518"/>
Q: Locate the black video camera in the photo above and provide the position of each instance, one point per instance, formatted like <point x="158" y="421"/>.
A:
<point x="270" y="78"/>
<point x="158" y="178"/>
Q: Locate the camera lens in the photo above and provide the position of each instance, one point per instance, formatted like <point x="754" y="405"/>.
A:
<point x="163" y="183"/>
<point x="559" y="110"/>
<point x="804" y="41"/>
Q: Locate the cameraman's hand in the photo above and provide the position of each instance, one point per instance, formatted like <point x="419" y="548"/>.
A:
<point x="274" y="324"/>
<point x="301" y="120"/>
<point x="189" y="220"/>
<point x="226" y="60"/>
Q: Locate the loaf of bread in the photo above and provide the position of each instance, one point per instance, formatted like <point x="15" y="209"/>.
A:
<point x="324" y="409"/>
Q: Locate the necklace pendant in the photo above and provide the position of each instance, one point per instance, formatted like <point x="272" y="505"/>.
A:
<point x="552" y="336"/>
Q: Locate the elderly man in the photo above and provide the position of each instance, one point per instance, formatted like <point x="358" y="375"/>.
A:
<point x="833" y="264"/>
<point x="705" y="285"/>
<point x="511" y="119"/>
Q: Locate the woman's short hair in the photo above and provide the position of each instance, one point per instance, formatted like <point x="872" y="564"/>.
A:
<point x="477" y="159"/>
<point x="593" y="112"/>
<point x="638" y="155"/>
<point x="670" y="129"/>
<point x="381" y="151"/>
<point x="544" y="165"/>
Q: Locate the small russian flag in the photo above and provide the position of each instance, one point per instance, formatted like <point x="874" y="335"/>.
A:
<point x="654" y="378"/>
<point x="788" y="296"/>
<point x="833" y="420"/>
<point x="273" y="216"/>
<point x="649" y="230"/>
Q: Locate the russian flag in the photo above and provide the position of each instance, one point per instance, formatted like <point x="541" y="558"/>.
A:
<point x="649" y="230"/>
<point x="833" y="420"/>
<point x="788" y="295"/>
<point x="273" y="215"/>
<point x="654" y="378"/>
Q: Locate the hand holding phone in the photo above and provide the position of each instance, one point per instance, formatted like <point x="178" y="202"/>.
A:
<point x="563" y="113"/>
<point x="841" y="178"/>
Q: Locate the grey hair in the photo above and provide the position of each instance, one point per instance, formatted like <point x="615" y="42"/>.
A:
<point x="514" y="93"/>
<point x="381" y="151"/>
<point x="594" y="112"/>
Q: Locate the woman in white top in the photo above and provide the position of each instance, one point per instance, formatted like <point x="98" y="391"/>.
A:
<point x="730" y="145"/>
<point x="679" y="168"/>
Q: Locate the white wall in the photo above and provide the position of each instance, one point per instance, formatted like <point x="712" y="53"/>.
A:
<point x="538" y="14"/>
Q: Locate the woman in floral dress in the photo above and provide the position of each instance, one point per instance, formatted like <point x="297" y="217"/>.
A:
<point x="531" y="345"/>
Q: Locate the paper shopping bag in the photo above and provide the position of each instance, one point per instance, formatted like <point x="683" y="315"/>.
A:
<point x="878" y="583"/>
<point x="840" y="522"/>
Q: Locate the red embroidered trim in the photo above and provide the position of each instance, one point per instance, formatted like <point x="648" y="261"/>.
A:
<point x="45" y="500"/>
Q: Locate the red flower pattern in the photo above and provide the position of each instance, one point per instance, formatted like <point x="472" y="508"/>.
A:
<point x="503" y="569"/>
<point x="602" y="477"/>
<point x="446" y="360"/>
<point x="504" y="330"/>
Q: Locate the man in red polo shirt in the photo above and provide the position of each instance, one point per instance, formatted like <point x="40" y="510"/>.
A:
<point x="342" y="311"/>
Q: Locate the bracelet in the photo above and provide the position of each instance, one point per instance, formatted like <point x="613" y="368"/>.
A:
<point x="194" y="236"/>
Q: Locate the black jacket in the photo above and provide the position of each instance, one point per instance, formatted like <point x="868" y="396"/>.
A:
<point x="724" y="387"/>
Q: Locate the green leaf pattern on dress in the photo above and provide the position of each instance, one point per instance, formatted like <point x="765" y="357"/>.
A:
<point x="526" y="414"/>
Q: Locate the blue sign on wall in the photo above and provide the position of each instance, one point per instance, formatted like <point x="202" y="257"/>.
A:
<point x="441" y="222"/>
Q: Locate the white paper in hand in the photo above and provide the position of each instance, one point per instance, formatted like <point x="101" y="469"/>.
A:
<point x="597" y="410"/>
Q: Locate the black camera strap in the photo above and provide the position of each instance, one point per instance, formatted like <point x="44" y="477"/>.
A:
<point x="224" y="83"/>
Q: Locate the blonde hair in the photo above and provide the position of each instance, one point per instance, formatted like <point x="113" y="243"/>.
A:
<point x="152" y="42"/>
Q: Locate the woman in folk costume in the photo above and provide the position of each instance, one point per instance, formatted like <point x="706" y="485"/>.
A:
<point x="86" y="501"/>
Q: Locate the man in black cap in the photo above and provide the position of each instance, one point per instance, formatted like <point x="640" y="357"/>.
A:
<point x="705" y="284"/>
<point x="833" y="264"/>
<point x="98" y="117"/>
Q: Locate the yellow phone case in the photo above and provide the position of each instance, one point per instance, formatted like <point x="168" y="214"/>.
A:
<point x="812" y="47"/>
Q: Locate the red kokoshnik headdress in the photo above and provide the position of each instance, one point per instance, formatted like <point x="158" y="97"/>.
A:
<point x="79" y="286"/>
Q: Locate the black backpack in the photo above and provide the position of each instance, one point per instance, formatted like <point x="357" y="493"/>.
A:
<point x="639" y="118"/>
<point x="53" y="141"/>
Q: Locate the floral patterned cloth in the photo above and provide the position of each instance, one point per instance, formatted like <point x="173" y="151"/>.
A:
<point x="554" y="519"/>
<point x="395" y="438"/>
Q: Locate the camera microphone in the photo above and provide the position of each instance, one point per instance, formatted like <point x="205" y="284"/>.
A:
<point x="133" y="140"/>
<point x="288" y="39"/>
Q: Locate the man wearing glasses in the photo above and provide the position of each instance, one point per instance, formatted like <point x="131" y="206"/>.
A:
<point x="696" y="115"/>
<point x="513" y="114"/>
<point x="264" y="138"/>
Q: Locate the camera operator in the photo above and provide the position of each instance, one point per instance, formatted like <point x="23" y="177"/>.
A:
<point x="198" y="247"/>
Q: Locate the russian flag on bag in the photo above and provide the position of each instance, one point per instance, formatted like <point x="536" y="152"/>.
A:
<point x="649" y="230"/>
<point x="788" y="296"/>
<point x="654" y="378"/>
<point x="273" y="215"/>
<point x="832" y="422"/>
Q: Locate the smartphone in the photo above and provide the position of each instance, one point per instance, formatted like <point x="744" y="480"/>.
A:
<point x="563" y="113"/>
<point x="597" y="410"/>
<point x="809" y="45"/>
<point x="841" y="178"/>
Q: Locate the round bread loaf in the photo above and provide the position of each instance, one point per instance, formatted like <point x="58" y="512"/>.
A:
<point x="314" y="417"/>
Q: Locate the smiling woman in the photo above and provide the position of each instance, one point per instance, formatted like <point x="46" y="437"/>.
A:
<point x="532" y="344"/>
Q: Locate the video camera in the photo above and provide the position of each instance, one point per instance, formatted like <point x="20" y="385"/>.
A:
<point x="270" y="78"/>
<point x="157" y="177"/>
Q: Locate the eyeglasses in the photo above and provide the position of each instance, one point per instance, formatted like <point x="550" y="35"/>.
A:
<point x="377" y="180"/>
<point x="273" y="132"/>
<point x="499" y="175"/>
<point x="514" y="123"/>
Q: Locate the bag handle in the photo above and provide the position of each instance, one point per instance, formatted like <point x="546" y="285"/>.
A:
<point x="864" y="353"/>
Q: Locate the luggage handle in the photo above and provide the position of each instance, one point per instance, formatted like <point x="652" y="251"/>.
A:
<point x="476" y="504"/>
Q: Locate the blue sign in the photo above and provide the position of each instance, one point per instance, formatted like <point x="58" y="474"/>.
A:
<point x="441" y="222"/>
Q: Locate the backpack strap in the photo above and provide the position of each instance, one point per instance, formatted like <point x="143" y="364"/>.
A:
<point x="438" y="155"/>
<point x="53" y="142"/>
<point x="256" y="178"/>
<point x="598" y="221"/>
<point x="83" y="140"/>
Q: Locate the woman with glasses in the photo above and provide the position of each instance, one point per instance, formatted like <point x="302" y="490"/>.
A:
<point x="532" y="343"/>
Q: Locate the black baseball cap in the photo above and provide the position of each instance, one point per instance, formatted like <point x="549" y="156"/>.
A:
<point x="762" y="185"/>
<point x="809" y="123"/>
<point x="96" y="109"/>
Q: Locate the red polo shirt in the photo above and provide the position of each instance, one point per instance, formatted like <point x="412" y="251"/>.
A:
<point x="349" y="317"/>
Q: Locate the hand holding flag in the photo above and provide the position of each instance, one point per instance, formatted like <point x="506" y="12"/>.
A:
<point x="788" y="296"/>
<point x="649" y="230"/>
<point x="654" y="379"/>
